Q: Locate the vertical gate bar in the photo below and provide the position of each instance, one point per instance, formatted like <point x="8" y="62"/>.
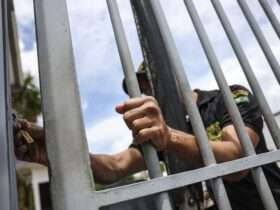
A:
<point x="198" y="127"/>
<point x="71" y="178"/>
<point x="158" y="69"/>
<point x="4" y="157"/>
<point x="8" y="194"/>
<point x="12" y="158"/>
<point x="167" y="92"/>
<point x="150" y="154"/>
<point x="261" y="39"/>
<point x="271" y="16"/>
<point x="14" y="45"/>
<point x="247" y="69"/>
<point x="258" y="175"/>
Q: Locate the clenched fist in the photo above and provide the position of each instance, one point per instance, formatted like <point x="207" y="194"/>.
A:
<point x="144" y="118"/>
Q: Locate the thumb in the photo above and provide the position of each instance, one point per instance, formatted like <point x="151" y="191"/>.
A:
<point x="120" y="108"/>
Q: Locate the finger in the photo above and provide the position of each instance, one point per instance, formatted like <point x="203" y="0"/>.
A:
<point x="133" y="103"/>
<point x="23" y="124"/>
<point x="18" y="125"/>
<point x="131" y="116"/>
<point x="26" y="124"/>
<point x="120" y="108"/>
<point x="146" y="135"/>
<point x="130" y="104"/>
<point x="150" y="110"/>
<point x="140" y="124"/>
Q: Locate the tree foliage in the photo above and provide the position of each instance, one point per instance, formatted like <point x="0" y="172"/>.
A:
<point x="27" y="100"/>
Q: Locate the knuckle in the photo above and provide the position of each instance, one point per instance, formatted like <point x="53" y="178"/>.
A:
<point x="158" y="130"/>
<point x="125" y="117"/>
<point x="152" y="107"/>
<point x="151" y="121"/>
<point x="135" y="123"/>
<point x="161" y="128"/>
<point x="150" y="98"/>
<point x="141" y="134"/>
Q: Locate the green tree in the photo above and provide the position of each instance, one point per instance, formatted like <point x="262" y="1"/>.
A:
<point x="27" y="100"/>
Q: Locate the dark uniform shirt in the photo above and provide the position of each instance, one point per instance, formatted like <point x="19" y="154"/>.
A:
<point x="242" y="194"/>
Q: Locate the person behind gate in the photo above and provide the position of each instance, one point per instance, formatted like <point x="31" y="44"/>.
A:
<point x="144" y="118"/>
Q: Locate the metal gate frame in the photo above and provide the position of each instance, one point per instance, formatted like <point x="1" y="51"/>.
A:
<point x="8" y="193"/>
<point x="52" y="48"/>
<point x="72" y="183"/>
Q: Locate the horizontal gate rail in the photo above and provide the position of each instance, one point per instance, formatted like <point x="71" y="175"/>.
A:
<point x="175" y="181"/>
<point x="248" y="148"/>
<point x="72" y="184"/>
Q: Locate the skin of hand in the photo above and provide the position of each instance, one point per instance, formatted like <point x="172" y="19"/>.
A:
<point x="37" y="133"/>
<point x="34" y="130"/>
<point x="144" y="118"/>
<point x="22" y="124"/>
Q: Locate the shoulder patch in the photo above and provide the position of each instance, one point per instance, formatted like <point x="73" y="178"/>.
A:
<point x="241" y="96"/>
<point x="214" y="132"/>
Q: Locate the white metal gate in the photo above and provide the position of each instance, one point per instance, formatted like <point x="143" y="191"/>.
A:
<point x="72" y="184"/>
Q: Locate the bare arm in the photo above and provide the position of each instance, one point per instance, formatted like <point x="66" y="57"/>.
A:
<point x="143" y="116"/>
<point x="185" y="146"/>
<point x="106" y="168"/>
<point x="110" y="168"/>
<point x="227" y="149"/>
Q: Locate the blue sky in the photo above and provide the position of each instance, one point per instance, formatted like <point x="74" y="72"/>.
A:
<point x="99" y="70"/>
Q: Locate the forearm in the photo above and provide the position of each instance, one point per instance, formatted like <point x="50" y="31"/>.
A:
<point x="110" y="168"/>
<point x="186" y="147"/>
<point x="104" y="168"/>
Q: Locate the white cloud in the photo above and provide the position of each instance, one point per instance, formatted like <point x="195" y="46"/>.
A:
<point x="108" y="136"/>
<point x="24" y="11"/>
<point x="99" y="67"/>
<point x="30" y="61"/>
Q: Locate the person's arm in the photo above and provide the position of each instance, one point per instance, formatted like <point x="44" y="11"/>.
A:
<point x="29" y="142"/>
<point x="185" y="146"/>
<point x="110" y="168"/>
<point x="143" y="116"/>
<point x="106" y="168"/>
<point x="34" y="130"/>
